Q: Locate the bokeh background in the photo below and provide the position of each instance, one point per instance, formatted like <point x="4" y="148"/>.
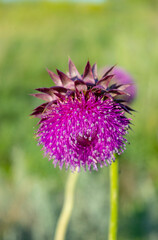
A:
<point x="39" y="35"/>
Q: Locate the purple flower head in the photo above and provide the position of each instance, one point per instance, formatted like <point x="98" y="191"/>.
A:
<point x="83" y="122"/>
<point x="122" y="77"/>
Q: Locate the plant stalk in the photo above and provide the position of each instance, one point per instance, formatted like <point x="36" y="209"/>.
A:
<point x="113" y="200"/>
<point x="67" y="207"/>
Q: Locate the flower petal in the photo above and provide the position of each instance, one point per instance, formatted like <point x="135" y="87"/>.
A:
<point x="38" y="110"/>
<point x="105" y="81"/>
<point x="73" y="72"/>
<point x="88" y="75"/>
<point x="80" y="85"/>
<point x="66" y="81"/>
<point x="94" y="71"/>
<point x="52" y="90"/>
<point x="44" y="96"/>
<point x="115" y="92"/>
<point x="108" y="71"/>
<point x="123" y="87"/>
<point x="58" y="89"/>
<point x="55" y="78"/>
<point x="46" y="90"/>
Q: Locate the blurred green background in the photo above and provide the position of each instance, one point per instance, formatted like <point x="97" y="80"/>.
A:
<point x="34" y="36"/>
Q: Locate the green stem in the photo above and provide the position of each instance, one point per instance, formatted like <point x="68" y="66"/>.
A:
<point x="67" y="207"/>
<point x="113" y="200"/>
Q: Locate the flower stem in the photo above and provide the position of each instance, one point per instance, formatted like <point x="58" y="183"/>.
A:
<point x="113" y="200"/>
<point x="67" y="206"/>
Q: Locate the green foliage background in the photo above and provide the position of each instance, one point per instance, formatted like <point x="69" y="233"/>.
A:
<point x="34" y="36"/>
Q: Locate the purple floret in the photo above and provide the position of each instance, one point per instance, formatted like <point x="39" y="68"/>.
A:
<point x="83" y="133"/>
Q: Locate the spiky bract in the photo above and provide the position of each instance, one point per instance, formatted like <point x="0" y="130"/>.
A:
<point x="124" y="78"/>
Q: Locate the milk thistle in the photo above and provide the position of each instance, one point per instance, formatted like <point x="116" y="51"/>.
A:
<point x="83" y="122"/>
<point x="123" y="77"/>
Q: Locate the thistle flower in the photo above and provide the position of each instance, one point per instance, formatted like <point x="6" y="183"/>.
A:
<point x="123" y="77"/>
<point x="83" y="122"/>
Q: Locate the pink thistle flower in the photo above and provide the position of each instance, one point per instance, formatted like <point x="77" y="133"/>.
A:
<point x="82" y="123"/>
<point x="123" y="77"/>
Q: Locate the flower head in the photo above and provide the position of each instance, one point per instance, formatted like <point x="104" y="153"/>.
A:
<point x="123" y="77"/>
<point x="82" y="123"/>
